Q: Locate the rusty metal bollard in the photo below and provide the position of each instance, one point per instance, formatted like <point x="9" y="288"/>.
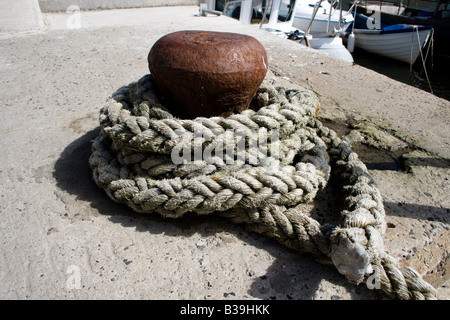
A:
<point x="205" y="74"/>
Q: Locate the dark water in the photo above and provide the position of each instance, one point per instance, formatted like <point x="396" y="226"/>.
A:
<point x="437" y="69"/>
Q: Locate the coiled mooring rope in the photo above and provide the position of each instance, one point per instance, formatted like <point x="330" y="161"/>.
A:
<point x="133" y="161"/>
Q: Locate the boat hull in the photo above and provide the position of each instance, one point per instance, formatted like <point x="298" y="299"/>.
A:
<point x="402" y="15"/>
<point x="304" y="11"/>
<point x="404" y="45"/>
<point x="318" y="26"/>
<point x="332" y="46"/>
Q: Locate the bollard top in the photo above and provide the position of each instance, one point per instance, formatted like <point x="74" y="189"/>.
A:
<point x="207" y="73"/>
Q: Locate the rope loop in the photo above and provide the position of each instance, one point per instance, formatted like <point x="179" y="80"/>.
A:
<point x="258" y="168"/>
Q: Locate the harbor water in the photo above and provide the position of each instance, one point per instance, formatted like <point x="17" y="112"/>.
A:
<point x="437" y="70"/>
<point x="431" y="76"/>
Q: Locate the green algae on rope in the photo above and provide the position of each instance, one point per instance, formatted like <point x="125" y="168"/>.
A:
<point x="132" y="160"/>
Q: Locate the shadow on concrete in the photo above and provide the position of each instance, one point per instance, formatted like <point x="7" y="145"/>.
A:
<point x="416" y="211"/>
<point x="291" y="276"/>
<point x="73" y="175"/>
<point x="409" y="162"/>
<point x="398" y="160"/>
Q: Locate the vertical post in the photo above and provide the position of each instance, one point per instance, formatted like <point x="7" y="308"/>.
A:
<point x="274" y="13"/>
<point x="246" y="12"/>
<point x="211" y="4"/>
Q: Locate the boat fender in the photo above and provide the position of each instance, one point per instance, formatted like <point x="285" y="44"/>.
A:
<point x="351" y="42"/>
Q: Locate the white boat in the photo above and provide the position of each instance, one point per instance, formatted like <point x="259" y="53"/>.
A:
<point x="426" y="13"/>
<point x="400" y="42"/>
<point x="331" y="45"/>
<point x="277" y="16"/>
<point x="328" y="42"/>
<point x="327" y="18"/>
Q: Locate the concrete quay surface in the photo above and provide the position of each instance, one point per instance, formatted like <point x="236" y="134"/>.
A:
<point x="20" y="15"/>
<point x="62" y="238"/>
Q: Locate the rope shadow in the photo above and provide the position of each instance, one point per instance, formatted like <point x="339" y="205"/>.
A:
<point x="291" y="275"/>
<point x="73" y="175"/>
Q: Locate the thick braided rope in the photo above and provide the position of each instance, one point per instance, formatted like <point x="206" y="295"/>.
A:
<point x="132" y="160"/>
